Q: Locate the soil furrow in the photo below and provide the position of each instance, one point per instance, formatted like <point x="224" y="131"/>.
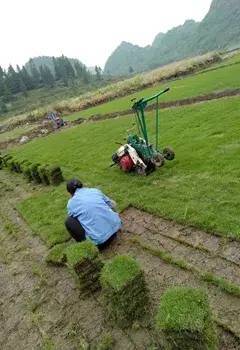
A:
<point x="213" y="244"/>
<point x="161" y="275"/>
<point x="171" y="104"/>
<point x="41" y="306"/>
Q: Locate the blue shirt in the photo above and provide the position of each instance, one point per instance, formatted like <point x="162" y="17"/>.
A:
<point x="94" y="211"/>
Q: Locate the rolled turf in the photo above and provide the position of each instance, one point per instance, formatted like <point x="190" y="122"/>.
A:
<point x="184" y="320"/>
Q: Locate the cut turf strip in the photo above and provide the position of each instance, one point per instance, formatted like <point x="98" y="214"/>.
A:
<point x="171" y="104"/>
<point x="124" y="289"/>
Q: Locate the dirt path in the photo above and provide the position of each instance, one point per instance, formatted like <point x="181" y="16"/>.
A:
<point x="40" y="305"/>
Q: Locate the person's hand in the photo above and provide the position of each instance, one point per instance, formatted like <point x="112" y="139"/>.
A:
<point x="113" y="204"/>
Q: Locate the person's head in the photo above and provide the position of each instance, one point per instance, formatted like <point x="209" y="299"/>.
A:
<point x="73" y="185"/>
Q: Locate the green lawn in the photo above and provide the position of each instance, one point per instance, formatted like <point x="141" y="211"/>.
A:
<point x="17" y="132"/>
<point x="226" y="77"/>
<point x="200" y="187"/>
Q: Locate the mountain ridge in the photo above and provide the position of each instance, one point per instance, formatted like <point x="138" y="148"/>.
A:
<point x="219" y="30"/>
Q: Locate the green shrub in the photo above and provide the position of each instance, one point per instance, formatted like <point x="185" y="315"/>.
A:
<point x="35" y="174"/>
<point x="54" y="174"/>
<point x="124" y="289"/>
<point x="42" y="170"/>
<point x="1" y="161"/>
<point x="84" y="259"/>
<point x="184" y="320"/>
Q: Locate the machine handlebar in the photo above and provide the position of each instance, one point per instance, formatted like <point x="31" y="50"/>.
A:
<point x="156" y="96"/>
<point x="166" y="90"/>
<point x="142" y="103"/>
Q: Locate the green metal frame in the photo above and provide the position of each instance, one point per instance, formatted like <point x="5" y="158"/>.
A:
<point x="139" y="108"/>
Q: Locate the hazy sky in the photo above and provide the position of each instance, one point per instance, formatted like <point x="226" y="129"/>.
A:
<point x="89" y="30"/>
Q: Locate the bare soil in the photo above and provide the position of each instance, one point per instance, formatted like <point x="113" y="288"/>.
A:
<point x="41" y="306"/>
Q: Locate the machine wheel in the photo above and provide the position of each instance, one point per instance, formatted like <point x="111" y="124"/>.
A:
<point x="140" y="171"/>
<point x="115" y="158"/>
<point x="159" y="160"/>
<point x="168" y="153"/>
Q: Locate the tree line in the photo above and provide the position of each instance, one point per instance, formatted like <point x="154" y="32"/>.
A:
<point x="21" y="80"/>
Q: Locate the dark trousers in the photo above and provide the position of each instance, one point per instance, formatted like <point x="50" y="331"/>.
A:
<point x="78" y="233"/>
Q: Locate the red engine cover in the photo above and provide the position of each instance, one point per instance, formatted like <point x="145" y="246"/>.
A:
<point x="126" y="163"/>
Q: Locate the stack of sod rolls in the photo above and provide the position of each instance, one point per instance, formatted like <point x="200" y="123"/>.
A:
<point x="184" y="320"/>
<point x="85" y="260"/>
<point x="124" y="290"/>
<point x="54" y="174"/>
<point x="45" y="174"/>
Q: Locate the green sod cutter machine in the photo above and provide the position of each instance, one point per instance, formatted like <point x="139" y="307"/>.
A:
<point x="138" y="154"/>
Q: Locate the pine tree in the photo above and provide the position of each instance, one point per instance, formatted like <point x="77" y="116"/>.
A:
<point x="7" y="95"/>
<point x="69" y="69"/>
<point x="78" y="69"/>
<point x="22" y="85"/>
<point x="62" y="70"/>
<point x="47" y="78"/>
<point x="86" y="75"/>
<point x="130" y="70"/>
<point x="98" y="71"/>
<point x="34" y="73"/>
<point x="26" y="78"/>
<point x="1" y="81"/>
<point x="3" y="108"/>
<point x="57" y="70"/>
<point x="13" y="80"/>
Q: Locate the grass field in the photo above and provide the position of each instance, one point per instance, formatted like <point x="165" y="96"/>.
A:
<point x="39" y="102"/>
<point x="17" y="132"/>
<point x="200" y="187"/>
<point x="226" y="77"/>
<point x="38" y="99"/>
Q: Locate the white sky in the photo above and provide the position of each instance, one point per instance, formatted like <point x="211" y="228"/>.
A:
<point x="89" y="30"/>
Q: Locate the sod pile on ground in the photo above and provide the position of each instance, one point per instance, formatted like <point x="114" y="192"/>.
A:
<point x="26" y="170"/>
<point x="184" y="320"/>
<point x="45" y="174"/>
<point x="54" y="175"/>
<point x="35" y="173"/>
<point x="57" y="255"/>
<point x="84" y="259"/>
<point x="124" y="290"/>
<point x="6" y="160"/>
<point x="42" y="170"/>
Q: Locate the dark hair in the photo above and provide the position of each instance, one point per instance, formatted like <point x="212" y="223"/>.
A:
<point x="73" y="185"/>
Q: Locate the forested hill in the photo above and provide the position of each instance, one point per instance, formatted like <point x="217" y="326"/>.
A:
<point x="50" y="62"/>
<point x="43" y="72"/>
<point x="220" y="29"/>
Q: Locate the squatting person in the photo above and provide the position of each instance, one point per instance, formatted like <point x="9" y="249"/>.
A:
<point x="91" y="215"/>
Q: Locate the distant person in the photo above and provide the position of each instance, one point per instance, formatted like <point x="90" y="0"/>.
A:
<point x="91" y="215"/>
